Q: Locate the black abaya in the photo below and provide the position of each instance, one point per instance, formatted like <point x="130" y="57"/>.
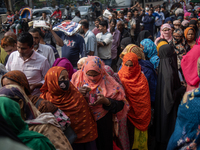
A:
<point x="168" y="96"/>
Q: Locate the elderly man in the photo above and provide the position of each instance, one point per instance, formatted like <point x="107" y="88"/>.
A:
<point x="123" y="31"/>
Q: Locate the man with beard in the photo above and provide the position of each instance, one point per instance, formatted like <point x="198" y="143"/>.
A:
<point x="89" y="37"/>
<point x="115" y="43"/>
<point x="31" y="63"/>
<point x="42" y="49"/>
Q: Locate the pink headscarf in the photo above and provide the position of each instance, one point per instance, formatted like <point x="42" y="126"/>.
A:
<point x="167" y="35"/>
<point x="189" y="67"/>
<point x="184" y="22"/>
<point x="187" y="15"/>
<point x="64" y="62"/>
<point x="102" y="84"/>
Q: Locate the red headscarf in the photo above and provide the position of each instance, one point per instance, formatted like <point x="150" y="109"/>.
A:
<point x="72" y="103"/>
<point x="102" y="84"/>
<point x="189" y="67"/>
<point x="137" y="92"/>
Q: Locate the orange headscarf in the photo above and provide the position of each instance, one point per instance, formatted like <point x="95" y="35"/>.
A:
<point x="103" y="84"/>
<point x="186" y="31"/>
<point x="72" y="103"/>
<point x="137" y="92"/>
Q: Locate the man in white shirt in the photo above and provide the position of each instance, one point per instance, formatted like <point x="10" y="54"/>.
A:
<point x="31" y="63"/>
<point x="89" y="37"/>
<point x="104" y="43"/>
<point x="42" y="49"/>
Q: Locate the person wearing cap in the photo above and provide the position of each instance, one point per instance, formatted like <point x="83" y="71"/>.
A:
<point x="57" y="13"/>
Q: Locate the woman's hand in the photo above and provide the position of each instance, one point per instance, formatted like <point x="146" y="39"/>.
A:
<point x="83" y="90"/>
<point x="101" y="100"/>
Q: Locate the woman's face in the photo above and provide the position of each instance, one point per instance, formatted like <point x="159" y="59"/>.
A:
<point x="129" y="63"/>
<point x="166" y="30"/>
<point x="6" y="81"/>
<point x="177" y="36"/>
<point x="192" y="25"/>
<point x="169" y="22"/>
<point x="92" y="73"/>
<point x="63" y="76"/>
<point x="190" y="35"/>
<point x="177" y="25"/>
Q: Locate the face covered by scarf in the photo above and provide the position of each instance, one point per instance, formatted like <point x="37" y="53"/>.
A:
<point x="137" y="92"/>
<point x="102" y="84"/>
<point x="166" y="34"/>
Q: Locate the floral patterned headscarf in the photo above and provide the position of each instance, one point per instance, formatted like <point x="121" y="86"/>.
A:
<point x="102" y="84"/>
<point x="151" y="52"/>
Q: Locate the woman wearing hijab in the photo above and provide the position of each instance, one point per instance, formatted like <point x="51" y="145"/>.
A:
<point x="161" y="42"/>
<point x="64" y="62"/>
<point x="177" y="24"/>
<point x="123" y="131"/>
<point x="10" y="110"/>
<point x="58" y="90"/>
<point x="189" y="65"/>
<point x="179" y="45"/>
<point x="138" y="95"/>
<point x="168" y="96"/>
<point x="147" y="68"/>
<point x="186" y="134"/>
<point x="185" y="24"/>
<point x="166" y="33"/>
<point x="110" y="98"/>
<point x="189" y="34"/>
<point x="44" y="123"/>
<point x="81" y="62"/>
<point x="143" y="35"/>
<point x="150" y="51"/>
<point x="168" y="20"/>
<point x="19" y="78"/>
<point x="193" y="24"/>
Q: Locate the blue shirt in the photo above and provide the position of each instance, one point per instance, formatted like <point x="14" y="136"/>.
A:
<point x="74" y="46"/>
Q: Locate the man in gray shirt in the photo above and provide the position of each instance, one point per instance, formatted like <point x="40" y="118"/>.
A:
<point x="89" y="37"/>
<point x="77" y="17"/>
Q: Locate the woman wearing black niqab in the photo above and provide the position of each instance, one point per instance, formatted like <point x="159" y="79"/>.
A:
<point x="168" y="96"/>
<point x="143" y="35"/>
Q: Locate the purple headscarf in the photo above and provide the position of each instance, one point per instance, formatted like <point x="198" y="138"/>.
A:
<point x="64" y="62"/>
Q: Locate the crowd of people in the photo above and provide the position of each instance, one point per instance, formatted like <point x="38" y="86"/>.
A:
<point x="130" y="83"/>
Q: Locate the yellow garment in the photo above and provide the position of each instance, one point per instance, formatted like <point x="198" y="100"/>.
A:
<point x="2" y="55"/>
<point x="140" y="139"/>
<point x="134" y="49"/>
<point x="160" y="44"/>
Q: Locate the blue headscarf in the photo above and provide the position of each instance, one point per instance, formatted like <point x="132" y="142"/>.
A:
<point x="168" y="19"/>
<point x="151" y="52"/>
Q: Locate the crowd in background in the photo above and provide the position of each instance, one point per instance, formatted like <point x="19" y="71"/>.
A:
<point x="130" y="83"/>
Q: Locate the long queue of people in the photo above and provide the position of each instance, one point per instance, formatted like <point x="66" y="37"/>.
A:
<point x="114" y="87"/>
